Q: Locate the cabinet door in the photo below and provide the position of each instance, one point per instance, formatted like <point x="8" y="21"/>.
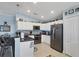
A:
<point x="17" y="47"/>
<point x="46" y="39"/>
<point x="45" y="27"/>
<point x="42" y="27"/>
<point x="20" y="25"/>
<point x="24" y="26"/>
<point x="26" y="49"/>
<point x="29" y="26"/>
<point x="75" y="37"/>
<point x="71" y="36"/>
<point x="68" y="28"/>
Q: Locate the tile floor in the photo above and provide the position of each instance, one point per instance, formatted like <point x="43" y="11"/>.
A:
<point x="44" y="50"/>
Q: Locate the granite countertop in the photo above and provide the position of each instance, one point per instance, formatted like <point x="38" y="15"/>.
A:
<point x="26" y="39"/>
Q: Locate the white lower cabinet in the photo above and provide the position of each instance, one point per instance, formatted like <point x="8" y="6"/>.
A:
<point x="17" y="47"/>
<point x="45" y="39"/>
<point x="26" y="49"/>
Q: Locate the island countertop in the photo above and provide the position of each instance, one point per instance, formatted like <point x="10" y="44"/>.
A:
<point x="26" y="39"/>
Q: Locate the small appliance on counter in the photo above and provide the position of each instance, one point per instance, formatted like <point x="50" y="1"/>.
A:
<point x="22" y="35"/>
<point x="17" y="34"/>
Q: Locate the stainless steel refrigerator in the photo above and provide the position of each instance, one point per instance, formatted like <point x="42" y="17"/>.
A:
<point x="57" y="37"/>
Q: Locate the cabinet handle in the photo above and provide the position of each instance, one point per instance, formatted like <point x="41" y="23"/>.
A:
<point x="53" y="33"/>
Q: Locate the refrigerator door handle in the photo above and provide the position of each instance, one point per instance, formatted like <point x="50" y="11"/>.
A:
<point x="53" y="33"/>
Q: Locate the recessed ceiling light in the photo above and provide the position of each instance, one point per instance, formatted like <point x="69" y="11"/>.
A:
<point x="52" y="12"/>
<point x="28" y="11"/>
<point x="42" y="16"/>
<point x="35" y="2"/>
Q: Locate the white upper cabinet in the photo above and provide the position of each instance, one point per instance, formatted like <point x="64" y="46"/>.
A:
<point x="24" y="25"/>
<point x="45" y="39"/>
<point x="42" y="27"/>
<point x="45" y="27"/>
<point x="27" y="26"/>
<point x="21" y="25"/>
<point x="24" y="22"/>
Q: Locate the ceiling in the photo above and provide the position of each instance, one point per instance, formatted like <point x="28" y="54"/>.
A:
<point x="36" y="10"/>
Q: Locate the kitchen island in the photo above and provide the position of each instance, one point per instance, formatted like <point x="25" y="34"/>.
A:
<point x="24" y="47"/>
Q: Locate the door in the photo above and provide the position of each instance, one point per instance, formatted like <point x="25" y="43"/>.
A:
<point x="26" y="49"/>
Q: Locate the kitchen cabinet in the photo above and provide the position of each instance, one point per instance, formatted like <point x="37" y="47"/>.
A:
<point x="42" y="27"/>
<point x="45" y="39"/>
<point x="71" y="36"/>
<point x="45" y="27"/>
<point x="26" y="49"/>
<point x="28" y="26"/>
<point x="19" y="25"/>
<point x="24" y="25"/>
<point x="23" y="49"/>
<point x="17" y="47"/>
